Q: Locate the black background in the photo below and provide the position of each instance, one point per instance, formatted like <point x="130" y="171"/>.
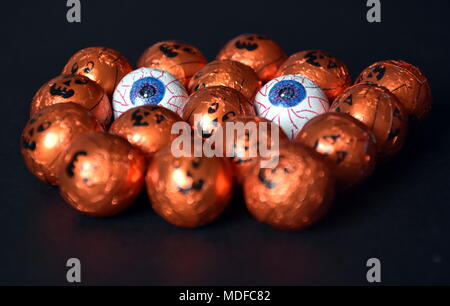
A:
<point x="399" y="216"/>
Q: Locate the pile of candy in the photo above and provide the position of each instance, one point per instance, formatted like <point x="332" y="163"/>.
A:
<point x="331" y="132"/>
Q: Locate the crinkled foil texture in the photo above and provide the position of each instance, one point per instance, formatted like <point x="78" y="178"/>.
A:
<point x="188" y="191"/>
<point x="345" y="142"/>
<point x="295" y="194"/>
<point x="49" y="133"/>
<point x="405" y="81"/>
<point x="102" y="174"/>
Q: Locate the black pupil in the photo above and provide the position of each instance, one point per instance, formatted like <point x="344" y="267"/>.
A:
<point x="147" y="91"/>
<point x="286" y="93"/>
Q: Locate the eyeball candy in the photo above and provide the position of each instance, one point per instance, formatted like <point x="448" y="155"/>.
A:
<point x="380" y="111"/>
<point x="49" y="133"/>
<point x="229" y="74"/>
<point x="290" y="101"/>
<point x="104" y="66"/>
<point x="322" y="68"/>
<point x="405" y="81"/>
<point x="149" y="86"/>
<point x="74" y="88"/>
<point x="147" y="127"/>
<point x="345" y="142"/>
<point x="101" y="175"/>
<point x="257" y="51"/>
<point x="188" y="191"/>
<point x="179" y="59"/>
<point x="293" y="195"/>
<point x="214" y="106"/>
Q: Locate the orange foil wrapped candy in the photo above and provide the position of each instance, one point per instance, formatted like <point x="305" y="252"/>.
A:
<point x="257" y="51"/>
<point x="229" y="74"/>
<point x="295" y="194"/>
<point x="49" y="133"/>
<point x="74" y="88"/>
<point x="179" y="59"/>
<point x="254" y="140"/>
<point x="405" y="81"/>
<point x="380" y="111"/>
<point x="105" y="66"/>
<point x="324" y="69"/>
<point x="147" y="127"/>
<point x="188" y="191"/>
<point x="346" y="142"/>
<point x="102" y="174"/>
<point x="209" y="107"/>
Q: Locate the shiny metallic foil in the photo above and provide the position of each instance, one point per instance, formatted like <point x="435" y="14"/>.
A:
<point x="74" y="88"/>
<point x="261" y="53"/>
<point x="179" y="59"/>
<point x="344" y="141"/>
<point x="215" y="105"/>
<point x="102" y="174"/>
<point x="322" y="68"/>
<point x="405" y="81"/>
<point x="147" y="127"/>
<point x="188" y="191"/>
<point x="48" y="134"/>
<point x="380" y="111"/>
<point x="244" y="160"/>
<point x="227" y="73"/>
<point x="105" y="66"/>
<point x="295" y="194"/>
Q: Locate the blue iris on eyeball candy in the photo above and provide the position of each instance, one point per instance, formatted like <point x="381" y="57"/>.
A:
<point x="147" y="91"/>
<point x="287" y="93"/>
<point x="149" y="86"/>
<point x="290" y="101"/>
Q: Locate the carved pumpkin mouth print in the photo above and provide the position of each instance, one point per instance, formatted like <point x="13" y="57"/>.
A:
<point x="188" y="180"/>
<point x="104" y="66"/>
<point x="174" y="49"/>
<point x="250" y="43"/>
<point x="66" y="87"/>
<point x="259" y="52"/>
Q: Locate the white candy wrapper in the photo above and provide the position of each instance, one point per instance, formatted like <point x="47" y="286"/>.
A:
<point x="149" y="86"/>
<point x="290" y="101"/>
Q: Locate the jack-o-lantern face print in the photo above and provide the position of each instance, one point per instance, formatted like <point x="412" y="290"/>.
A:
<point x="293" y="194"/>
<point x="405" y="81"/>
<point x="74" y="88"/>
<point x="101" y="174"/>
<point x="271" y="177"/>
<point x="147" y="127"/>
<point x="256" y="51"/>
<point x="322" y="68"/>
<point x="67" y="86"/>
<point x="188" y="191"/>
<point x="246" y="144"/>
<point x="249" y="42"/>
<point x="209" y="108"/>
<point x="104" y="66"/>
<point x="179" y="59"/>
<point x="49" y="133"/>
<point x="345" y="142"/>
<point x="380" y="111"/>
